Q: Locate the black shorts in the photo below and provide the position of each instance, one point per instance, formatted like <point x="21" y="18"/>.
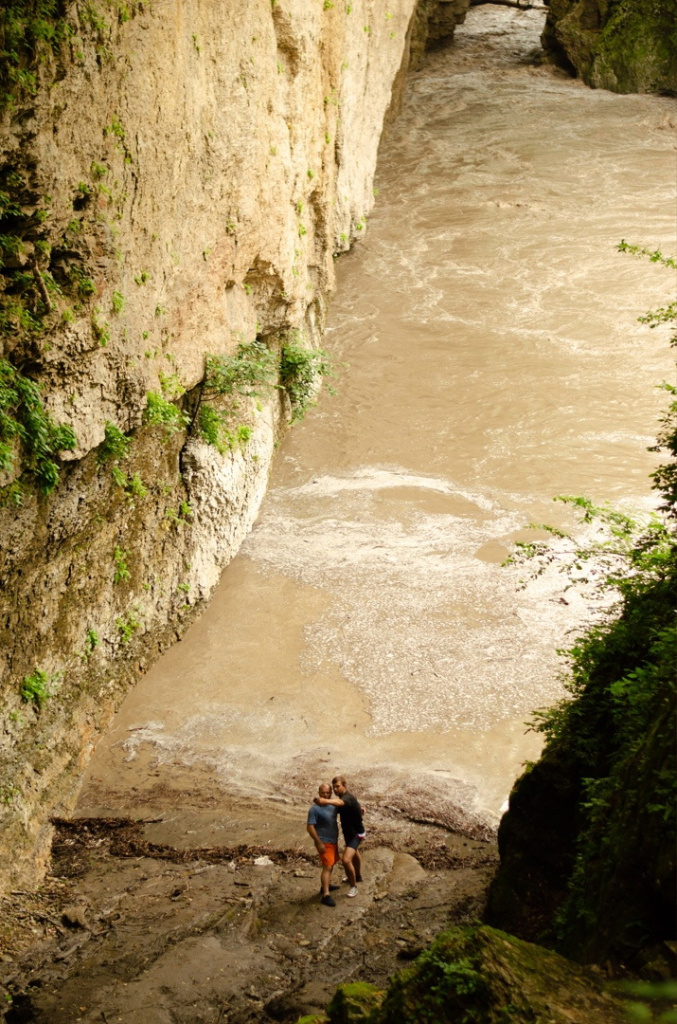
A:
<point x="354" y="843"/>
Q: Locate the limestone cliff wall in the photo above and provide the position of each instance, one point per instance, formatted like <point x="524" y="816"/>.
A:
<point x="174" y="182"/>
<point x="621" y="45"/>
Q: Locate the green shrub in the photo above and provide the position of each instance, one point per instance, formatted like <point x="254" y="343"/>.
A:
<point x="160" y="412"/>
<point x="24" y="422"/>
<point x="135" y="487"/>
<point x="115" y="444"/>
<point x="127" y="627"/>
<point x="612" y="741"/>
<point x="443" y="986"/>
<point x="35" y="688"/>
<point x="251" y="369"/>
<point x="92" y="640"/>
<point x="214" y="427"/>
<point x="171" y="386"/>
<point x="300" y="372"/>
<point x="122" y="573"/>
<point x="247" y="373"/>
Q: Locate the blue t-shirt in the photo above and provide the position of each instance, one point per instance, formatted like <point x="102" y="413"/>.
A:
<point x="324" y="820"/>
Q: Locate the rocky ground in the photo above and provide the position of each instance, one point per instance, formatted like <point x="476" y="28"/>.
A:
<point x="130" y="928"/>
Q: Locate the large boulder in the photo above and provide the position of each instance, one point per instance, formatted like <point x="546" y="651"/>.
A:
<point x="482" y="976"/>
<point x="478" y="975"/>
<point x="621" y="45"/>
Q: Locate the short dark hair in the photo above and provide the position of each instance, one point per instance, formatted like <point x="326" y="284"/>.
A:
<point x="339" y="778"/>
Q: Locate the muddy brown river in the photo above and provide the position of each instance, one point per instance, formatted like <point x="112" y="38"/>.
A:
<point x="489" y="358"/>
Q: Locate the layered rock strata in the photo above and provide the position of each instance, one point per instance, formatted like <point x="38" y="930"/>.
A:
<point x="175" y="181"/>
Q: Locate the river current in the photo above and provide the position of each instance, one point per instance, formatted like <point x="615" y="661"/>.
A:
<point x="489" y="357"/>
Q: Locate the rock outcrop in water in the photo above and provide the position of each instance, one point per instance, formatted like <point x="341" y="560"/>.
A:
<point x="174" y="185"/>
<point x="620" y="45"/>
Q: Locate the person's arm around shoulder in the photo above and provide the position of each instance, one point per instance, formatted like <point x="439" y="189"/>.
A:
<point x="323" y="801"/>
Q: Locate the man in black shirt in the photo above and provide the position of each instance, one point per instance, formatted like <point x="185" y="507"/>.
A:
<point x="352" y="827"/>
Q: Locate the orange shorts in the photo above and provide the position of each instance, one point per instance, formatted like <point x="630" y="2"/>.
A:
<point x="330" y="855"/>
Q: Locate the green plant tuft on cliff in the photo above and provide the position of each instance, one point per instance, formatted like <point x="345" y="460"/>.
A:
<point x="161" y="413"/>
<point x="115" y="444"/>
<point x="28" y="434"/>
<point x="127" y="627"/>
<point x="300" y="372"/>
<point x="122" y="573"/>
<point x="83" y="284"/>
<point x="170" y="385"/>
<point x="35" y="688"/>
<point x="133" y="486"/>
<point x="100" y="328"/>
<point x="213" y="427"/>
<point x="252" y="368"/>
<point x="246" y="374"/>
<point x="92" y="640"/>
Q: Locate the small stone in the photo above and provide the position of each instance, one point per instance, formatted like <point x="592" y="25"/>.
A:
<point x="75" y="917"/>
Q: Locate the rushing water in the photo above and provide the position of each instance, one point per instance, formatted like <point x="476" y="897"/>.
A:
<point x="492" y="360"/>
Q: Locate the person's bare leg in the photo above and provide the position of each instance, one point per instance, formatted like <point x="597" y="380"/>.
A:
<point x="357" y="864"/>
<point x="324" y="878"/>
<point x="348" y="855"/>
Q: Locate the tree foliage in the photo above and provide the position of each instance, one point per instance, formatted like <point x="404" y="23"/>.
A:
<point x="617" y="727"/>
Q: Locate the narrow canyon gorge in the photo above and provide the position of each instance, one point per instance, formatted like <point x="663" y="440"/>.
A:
<point x="309" y="311"/>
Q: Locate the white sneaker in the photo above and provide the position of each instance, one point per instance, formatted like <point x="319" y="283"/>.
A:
<point x="353" y="891"/>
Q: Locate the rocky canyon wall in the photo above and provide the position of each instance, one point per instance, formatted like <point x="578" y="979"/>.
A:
<point x="176" y="177"/>
<point x="621" y="45"/>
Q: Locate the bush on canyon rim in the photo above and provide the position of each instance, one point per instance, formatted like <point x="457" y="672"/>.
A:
<point x="615" y="739"/>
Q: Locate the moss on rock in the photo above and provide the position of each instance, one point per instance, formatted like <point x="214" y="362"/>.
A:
<point x="477" y="975"/>
<point x="616" y="44"/>
<point x="354" y="1003"/>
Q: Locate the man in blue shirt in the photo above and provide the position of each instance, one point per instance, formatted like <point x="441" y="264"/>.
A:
<point x="352" y="826"/>
<point x="323" y="829"/>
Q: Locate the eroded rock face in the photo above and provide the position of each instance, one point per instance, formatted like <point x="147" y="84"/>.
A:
<point x="178" y="185"/>
<point x="619" y="45"/>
